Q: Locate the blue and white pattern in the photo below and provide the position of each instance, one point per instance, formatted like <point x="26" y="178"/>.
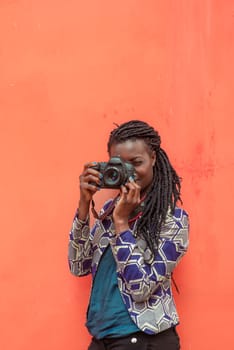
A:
<point x="144" y="280"/>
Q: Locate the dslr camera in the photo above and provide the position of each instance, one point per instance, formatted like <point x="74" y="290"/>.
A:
<point x="115" y="173"/>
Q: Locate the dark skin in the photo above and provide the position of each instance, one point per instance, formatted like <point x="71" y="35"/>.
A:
<point x="143" y="159"/>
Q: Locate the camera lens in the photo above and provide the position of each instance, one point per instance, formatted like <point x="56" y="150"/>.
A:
<point x="112" y="177"/>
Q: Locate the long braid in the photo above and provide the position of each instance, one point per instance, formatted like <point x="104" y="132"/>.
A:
<point x="164" y="191"/>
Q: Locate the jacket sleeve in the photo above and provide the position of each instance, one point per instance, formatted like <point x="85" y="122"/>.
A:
<point x="142" y="274"/>
<point x="79" y="247"/>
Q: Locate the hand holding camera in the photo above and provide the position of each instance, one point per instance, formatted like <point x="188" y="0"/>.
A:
<point x="114" y="174"/>
<point x="117" y="174"/>
<point x="130" y="198"/>
<point x="89" y="183"/>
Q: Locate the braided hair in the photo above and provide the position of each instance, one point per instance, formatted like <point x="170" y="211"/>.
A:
<point x="164" y="191"/>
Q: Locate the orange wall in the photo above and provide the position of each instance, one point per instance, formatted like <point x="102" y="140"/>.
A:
<point x="68" y="71"/>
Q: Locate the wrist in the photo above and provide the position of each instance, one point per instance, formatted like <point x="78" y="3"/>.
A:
<point x="121" y="225"/>
<point x="83" y="209"/>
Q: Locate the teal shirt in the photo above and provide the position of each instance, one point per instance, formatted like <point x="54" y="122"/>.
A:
<point x="107" y="315"/>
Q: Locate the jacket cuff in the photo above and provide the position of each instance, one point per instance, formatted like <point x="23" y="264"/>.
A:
<point x="80" y="228"/>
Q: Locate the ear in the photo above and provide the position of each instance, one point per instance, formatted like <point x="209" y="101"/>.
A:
<point x="153" y="156"/>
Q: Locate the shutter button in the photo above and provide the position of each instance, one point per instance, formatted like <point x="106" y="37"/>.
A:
<point x="133" y="340"/>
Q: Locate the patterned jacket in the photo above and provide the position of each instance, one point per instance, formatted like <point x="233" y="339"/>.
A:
<point x="144" y="280"/>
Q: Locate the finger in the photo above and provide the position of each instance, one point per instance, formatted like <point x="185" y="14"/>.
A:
<point x="90" y="187"/>
<point x="132" y="181"/>
<point x="90" y="180"/>
<point x="131" y="188"/>
<point x="137" y="191"/>
<point x="123" y="194"/>
<point x="134" y="192"/>
<point x="131" y="197"/>
<point x="92" y="171"/>
<point x="124" y="190"/>
<point x="89" y="165"/>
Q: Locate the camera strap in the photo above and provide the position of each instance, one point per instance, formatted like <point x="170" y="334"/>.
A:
<point x="133" y="217"/>
<point x="106" y="212"/>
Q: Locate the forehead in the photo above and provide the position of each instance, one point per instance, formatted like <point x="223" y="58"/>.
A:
<point x="129" y="149"/>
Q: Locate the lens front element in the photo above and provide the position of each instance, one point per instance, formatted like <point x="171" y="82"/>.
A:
<point x="112" y="177"/>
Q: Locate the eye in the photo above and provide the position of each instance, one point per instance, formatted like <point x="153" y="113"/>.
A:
<point x="137" y="163"/>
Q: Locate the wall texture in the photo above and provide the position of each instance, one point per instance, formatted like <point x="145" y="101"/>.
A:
<point x="68" y="71"/>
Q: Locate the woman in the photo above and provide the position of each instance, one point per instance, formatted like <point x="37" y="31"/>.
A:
<point x="133" y="247"/>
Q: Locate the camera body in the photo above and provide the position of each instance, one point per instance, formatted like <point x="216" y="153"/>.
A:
<point x="115" y="172"/>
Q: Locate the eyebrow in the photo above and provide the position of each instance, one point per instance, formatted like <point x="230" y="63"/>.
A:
<point x="134" y="158"/>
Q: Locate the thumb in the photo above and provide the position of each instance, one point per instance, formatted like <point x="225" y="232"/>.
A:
<point x="123" y="190"/>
